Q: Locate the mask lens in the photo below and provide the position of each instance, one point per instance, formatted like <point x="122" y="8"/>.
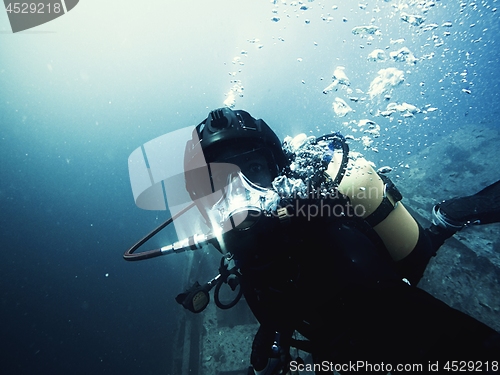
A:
<point x="257" y="165"/>
<point x="241" y="204"/>
<point x="232" y="194"/>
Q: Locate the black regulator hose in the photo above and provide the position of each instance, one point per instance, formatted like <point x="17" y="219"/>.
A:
<point x="129" y="254"/>
<point x="345" y="154"/>
<point x="230" y="304"/>
<point x="233" y="283"/>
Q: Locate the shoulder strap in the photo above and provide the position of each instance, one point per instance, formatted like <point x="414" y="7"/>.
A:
<point x="385" y="207"/>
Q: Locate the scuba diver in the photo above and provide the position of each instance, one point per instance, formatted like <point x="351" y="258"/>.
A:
<point x="345" y="282"/>
<point x="324" y="252"/>
<point x="336" y="279"/>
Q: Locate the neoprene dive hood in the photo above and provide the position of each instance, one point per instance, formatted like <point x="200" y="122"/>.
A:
<point x="224" y="128"/>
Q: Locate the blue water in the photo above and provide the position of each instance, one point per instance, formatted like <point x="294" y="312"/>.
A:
<point x="79" y="94"/>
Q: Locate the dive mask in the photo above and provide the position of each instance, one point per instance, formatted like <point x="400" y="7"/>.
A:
<point x="241" y="204"/>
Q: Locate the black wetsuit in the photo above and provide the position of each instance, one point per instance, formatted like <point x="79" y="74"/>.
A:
<point x="334" y="282"/>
